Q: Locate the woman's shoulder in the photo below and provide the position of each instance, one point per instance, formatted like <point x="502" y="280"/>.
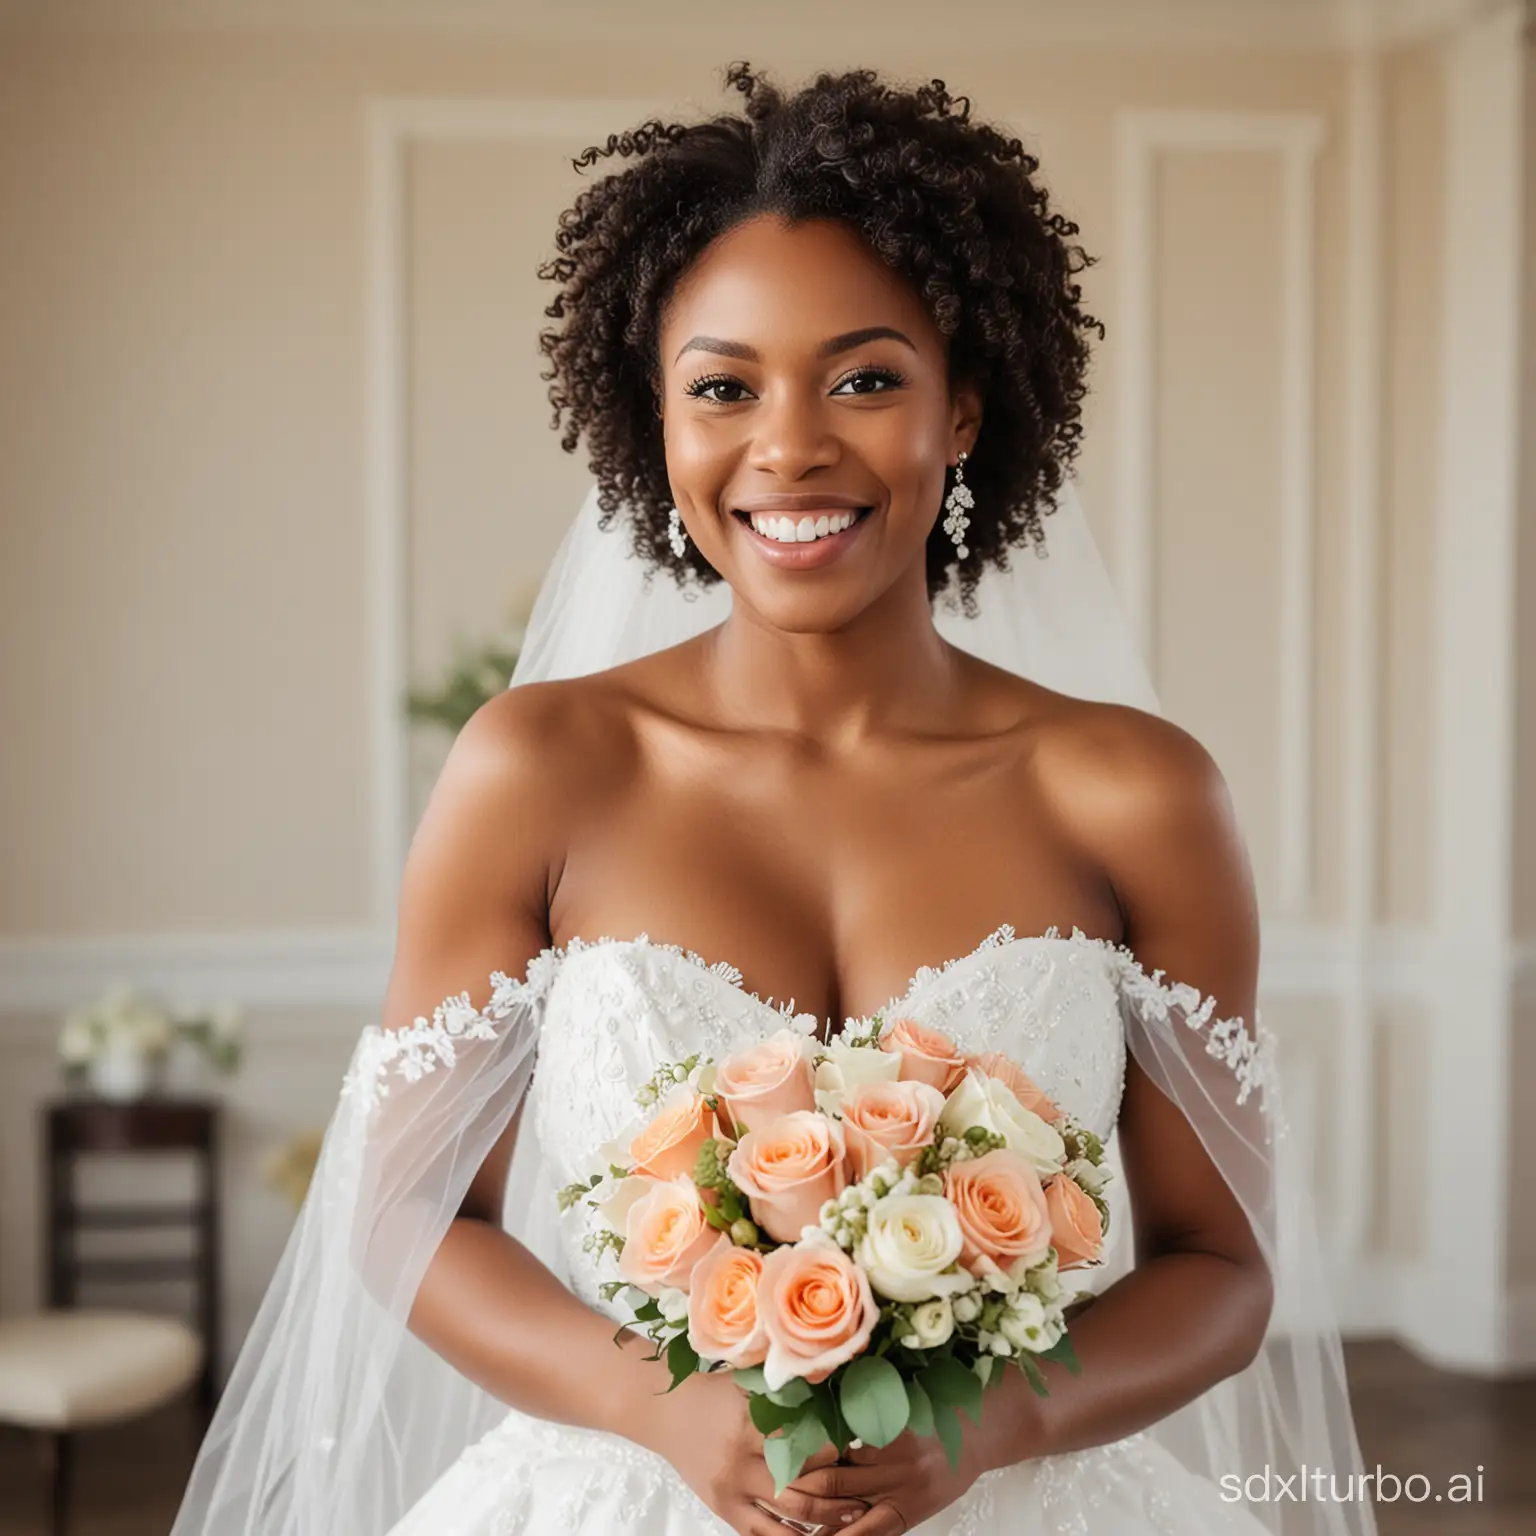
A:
<point x="1112" y="770"/>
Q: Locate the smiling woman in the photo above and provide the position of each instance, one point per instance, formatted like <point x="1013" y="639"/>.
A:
<point x="827" y="359"/>
<point x="951" y="281"/>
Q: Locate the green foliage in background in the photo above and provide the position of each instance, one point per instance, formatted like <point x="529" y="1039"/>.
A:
<point x="474" y="679"/>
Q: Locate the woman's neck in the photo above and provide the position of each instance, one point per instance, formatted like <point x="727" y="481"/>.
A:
<point x="888" y="670"/>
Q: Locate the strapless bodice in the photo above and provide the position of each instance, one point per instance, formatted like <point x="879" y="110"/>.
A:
<point x="616" y="1010"/>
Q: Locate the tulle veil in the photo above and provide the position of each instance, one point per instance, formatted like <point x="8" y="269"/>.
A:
<point x="336" y="1419"/>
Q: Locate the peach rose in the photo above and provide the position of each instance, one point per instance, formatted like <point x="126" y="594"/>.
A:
<point x="927" y="1055"/>
<point x="722" y="1306"/>
<point x="1077" y="1230"/>
<point x="1017" y="1081"/>
<point x="788" y="1169"/>
<point x="888" y="1120"/>
<point x="769" y="1080"/>
<point x="817" y="1311"/>
<point x="670" y="1144"/>
<point x="665" y="1236"/>
<point x="1002" y="1212"/>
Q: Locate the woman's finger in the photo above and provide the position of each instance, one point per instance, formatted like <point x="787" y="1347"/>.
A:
<point x="834" y="1513"/>
<point x="867" y="1483"/>
<point x="883" y="1519"/>
<point x="825" y="1457"/>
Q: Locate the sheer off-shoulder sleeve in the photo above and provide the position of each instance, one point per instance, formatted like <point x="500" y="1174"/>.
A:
<point x="336" y="1417"/>
<point x="1265" y="1434"/>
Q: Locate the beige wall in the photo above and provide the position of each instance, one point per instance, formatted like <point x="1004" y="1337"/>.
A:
<point x="184" y="604"/>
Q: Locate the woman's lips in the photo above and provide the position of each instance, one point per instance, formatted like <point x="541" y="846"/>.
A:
<point x="805" y="556"/>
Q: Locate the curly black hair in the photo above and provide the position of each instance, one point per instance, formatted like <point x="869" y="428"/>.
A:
<point x="951" y="204"/>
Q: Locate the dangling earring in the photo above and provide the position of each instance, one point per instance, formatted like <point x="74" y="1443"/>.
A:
<point x="956" y="505"/>
<point x="675" y="535"/>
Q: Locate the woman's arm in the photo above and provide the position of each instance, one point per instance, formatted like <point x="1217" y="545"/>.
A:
<point x="1149" y="806"/>
<point x="474" y="900"/>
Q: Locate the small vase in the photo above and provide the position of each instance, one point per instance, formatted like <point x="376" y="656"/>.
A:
<point x="120" y="1074"/>
<point x="185" y="1072"/>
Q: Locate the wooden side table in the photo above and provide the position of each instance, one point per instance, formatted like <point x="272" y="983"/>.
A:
<point x="87" y="1126"/>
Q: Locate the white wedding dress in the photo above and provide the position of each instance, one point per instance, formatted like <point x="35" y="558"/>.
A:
<point x="615" y="1010"/>
<point x="338" y="1421"/>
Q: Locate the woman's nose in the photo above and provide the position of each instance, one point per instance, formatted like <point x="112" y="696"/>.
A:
<point x="792" y="436"/>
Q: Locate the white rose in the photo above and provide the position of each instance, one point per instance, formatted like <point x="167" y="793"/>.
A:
<point x="673" y="1304"/>
<point x="909" y="1243"/>
<point x="989" y="1103"/>
<point x="850" y="1066"/>
<point x="614" y="1207"/>
<point x="933" y="1323"/>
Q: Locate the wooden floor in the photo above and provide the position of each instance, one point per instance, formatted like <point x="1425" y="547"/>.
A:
<point x="1412" y="1420"/>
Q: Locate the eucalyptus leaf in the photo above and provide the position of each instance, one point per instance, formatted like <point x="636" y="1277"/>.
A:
<point x="919" y="1409"/>
<point x="946" y="1425"/>
<point x="948" y="1382"/>
<point x="750" y="1379"/>
<point x="794" y="1392"/>
<point x="1033" y="1375"/>
<point x="769" y="1416"/>
<point x="874" y="1400"/>
<point x="1062" y="1353"/>
<point x="787" y="1452"/>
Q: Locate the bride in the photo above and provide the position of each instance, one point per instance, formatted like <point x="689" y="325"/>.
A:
<point x="843" y="745"/>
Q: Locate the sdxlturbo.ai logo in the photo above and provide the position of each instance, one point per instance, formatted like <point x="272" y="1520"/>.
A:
<point x="1317" y="1485"/>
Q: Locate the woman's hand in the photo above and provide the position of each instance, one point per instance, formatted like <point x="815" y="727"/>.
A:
<point x="704" y="1429"/>
<point x="903" y="1484"/>
<point x="911" y="1480"/>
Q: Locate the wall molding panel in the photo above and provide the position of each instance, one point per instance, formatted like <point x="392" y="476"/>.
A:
<point x="1296" y="138"/>
<point x="393" y="126"/>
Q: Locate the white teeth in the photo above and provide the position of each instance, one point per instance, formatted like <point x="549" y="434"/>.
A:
<point x="805" y="530"/>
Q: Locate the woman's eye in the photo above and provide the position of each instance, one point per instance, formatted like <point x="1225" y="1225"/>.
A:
<point x="868" y="381"/>
<point x="719" y="388"/>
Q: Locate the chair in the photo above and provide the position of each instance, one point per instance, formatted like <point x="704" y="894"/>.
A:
<point x="69" y="1369"/>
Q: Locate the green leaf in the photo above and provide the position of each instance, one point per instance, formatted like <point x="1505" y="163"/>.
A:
<point x="1062" y="1353"/>
<point x="919" y="1409"/>
<point x="874" y="1400"/>
<point x="769" y="1416"/>
<point x="787" y="1453"/>
<point x="948" y="1382"/>
<point x="717" y="1218"/>
<point x="751" y="1379"/>
<point x="682" y="1360"/>
<point x="1033" y="1374"/>
<point x="648" y="1312"/>
<point x="794" y="1392"/>
<point x="824" y="1400"/>
<point x="946" y="1425"/>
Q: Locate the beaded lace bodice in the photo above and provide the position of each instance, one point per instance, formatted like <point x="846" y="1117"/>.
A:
<point x="616" y="1010"/>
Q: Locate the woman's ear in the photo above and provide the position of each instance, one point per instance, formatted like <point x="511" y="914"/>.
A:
<point x="965" y="411"/>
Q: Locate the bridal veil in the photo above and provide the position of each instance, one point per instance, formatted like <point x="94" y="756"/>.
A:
<point x="336" y="1419"/>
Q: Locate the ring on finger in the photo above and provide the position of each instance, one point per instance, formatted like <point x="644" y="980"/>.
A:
<point x="805" y="1527"/>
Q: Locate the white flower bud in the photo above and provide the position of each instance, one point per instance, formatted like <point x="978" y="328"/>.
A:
<point x="933" y="1323"/>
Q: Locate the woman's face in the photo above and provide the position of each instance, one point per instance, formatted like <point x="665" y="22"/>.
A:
<point x="805" y="390"/>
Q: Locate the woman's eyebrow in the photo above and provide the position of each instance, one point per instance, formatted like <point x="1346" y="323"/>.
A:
<point x="829" y="348"/>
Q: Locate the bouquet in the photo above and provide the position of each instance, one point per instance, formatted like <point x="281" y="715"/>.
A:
<point x="866" y="1232"/>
